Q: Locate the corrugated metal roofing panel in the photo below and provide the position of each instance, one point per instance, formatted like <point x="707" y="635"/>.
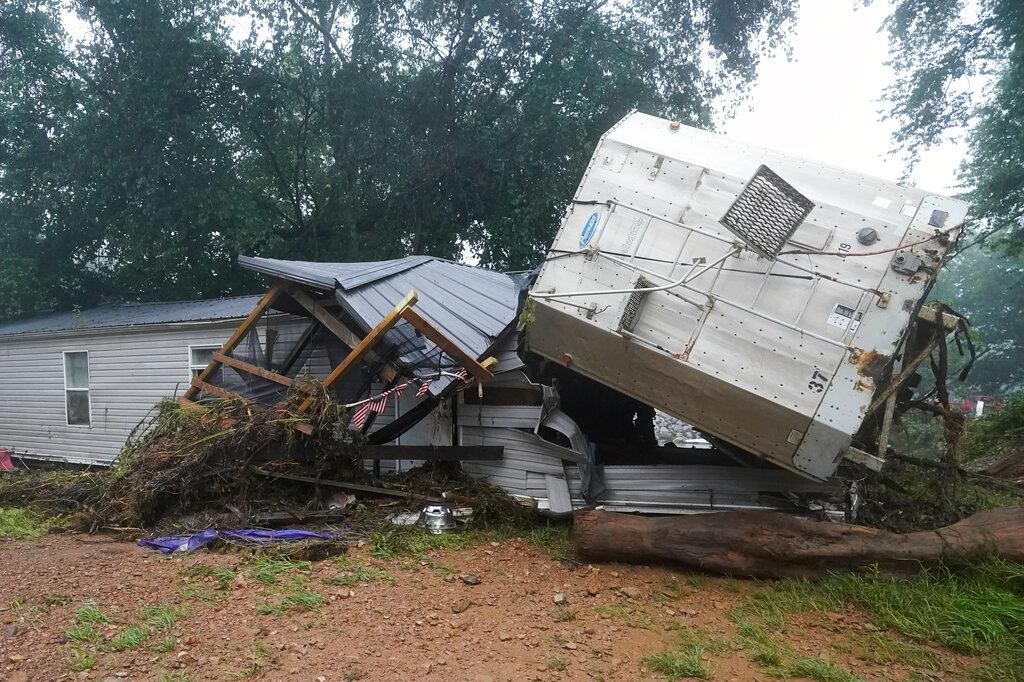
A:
<point x="331" y="275"/>
<point x="133" y="314"/>
<point x="471" y="306"/>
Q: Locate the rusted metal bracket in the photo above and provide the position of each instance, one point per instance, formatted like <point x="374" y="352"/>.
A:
<point x="896" y="382"/>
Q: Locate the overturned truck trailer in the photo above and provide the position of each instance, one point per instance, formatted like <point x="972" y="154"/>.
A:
<point x="766" y="299"/>
<point x="775" y="304"/>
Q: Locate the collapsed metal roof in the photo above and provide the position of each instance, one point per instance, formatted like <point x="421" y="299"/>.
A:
<point x="471" y="306"/>
<point x="132" y="314"/>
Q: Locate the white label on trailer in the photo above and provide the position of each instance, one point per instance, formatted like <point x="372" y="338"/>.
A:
<point x="882" y="202"/>
<point x="844" y="317"/>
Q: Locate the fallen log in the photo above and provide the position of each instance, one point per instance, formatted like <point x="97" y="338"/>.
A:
<point x="775" y="545"/>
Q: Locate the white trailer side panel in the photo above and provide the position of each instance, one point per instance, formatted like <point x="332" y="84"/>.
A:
<point x="779" y="357"/>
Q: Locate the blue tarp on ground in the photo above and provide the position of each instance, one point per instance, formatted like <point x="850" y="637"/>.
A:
<point x="189" y="543"/>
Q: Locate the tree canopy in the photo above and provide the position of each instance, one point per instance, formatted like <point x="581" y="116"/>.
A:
<point x="943" y="52"/>
<point x="960" y="68"/>
<point x="145" y="143"/>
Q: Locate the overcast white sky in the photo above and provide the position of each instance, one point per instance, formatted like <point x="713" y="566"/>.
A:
<point x="824" y="103"/>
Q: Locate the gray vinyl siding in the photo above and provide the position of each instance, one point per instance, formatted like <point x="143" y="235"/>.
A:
<point x="130" y="371"/>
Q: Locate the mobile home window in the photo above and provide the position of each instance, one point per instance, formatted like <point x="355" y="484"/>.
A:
<point x="76" y="388"/>
<point x="199" y="357"/>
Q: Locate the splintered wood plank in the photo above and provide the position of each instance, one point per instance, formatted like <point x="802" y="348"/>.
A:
<point x="360" y="349"/>
<point x="345" y="485"/>
<point x="200" y="385"/>
<point x="333" y="324"/>
<point x="435" y="453"/>
<point x="453" y="350"/>
<point x="233" y="340"/>
<point x="252" y="369"/>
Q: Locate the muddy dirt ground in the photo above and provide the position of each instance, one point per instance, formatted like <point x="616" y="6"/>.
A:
<point x="403" y="619"/>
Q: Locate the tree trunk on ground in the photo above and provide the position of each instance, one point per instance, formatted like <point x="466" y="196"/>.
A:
<point x="773" y="544"/>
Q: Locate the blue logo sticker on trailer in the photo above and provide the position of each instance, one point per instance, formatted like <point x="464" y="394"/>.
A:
<point x="589" y="228"/>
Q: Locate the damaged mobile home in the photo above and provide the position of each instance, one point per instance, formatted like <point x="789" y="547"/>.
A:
<point x="772" y="302"/>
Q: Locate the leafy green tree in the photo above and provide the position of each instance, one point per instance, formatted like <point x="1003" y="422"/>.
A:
<point x="139" y="158"/>
<point x="118" y="174"/>
<point x="988" y="287"/>
<point x="960" y="67"/>
<point x="942" y="50"/>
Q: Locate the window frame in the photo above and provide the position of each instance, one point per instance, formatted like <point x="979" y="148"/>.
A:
<point x="87" y="389"/>
<point x="204" y="346"/>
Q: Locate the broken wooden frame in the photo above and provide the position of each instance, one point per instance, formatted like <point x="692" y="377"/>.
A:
<point x="288" y="295"/>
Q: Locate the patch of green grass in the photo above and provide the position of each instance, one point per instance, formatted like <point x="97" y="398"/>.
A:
<point x="80" y="659"/>
<point x="299" y="598"/>
<point x="822" y="669"/>
<point x="413" y="541"/>
<point x="266" y="569"/>
<point x="551" y="536"/>
<point x="19" y="606"/>
<point x="564" y="614"/>
<point x="132" y="637"/>
<point x="162" y="616"/>
<point x="663" y="596"/>
<point x="695" y="580"/>
<point x="166" y="644"/>
<point x="21" y="524"/>
<point x="556" y="663"/>
<point x="83" y="632"/>
<point x="444" y="570"/>
<point x="884" y="649"/>
<point x="258" y="655"/>
<point x="554" y="538"/>
<point x="221" y="574"/>
<point x="192" y="591"/>
<point x="778" y="659"/>
<point x="353" y="573"/>
<point x="729" y="584"/>
<point x="682" y="659"/>
<point x="975" y="612"/>
<point x="630" y="617"/>
<point x="176" y="676"/>
<point x="90" y="613"/>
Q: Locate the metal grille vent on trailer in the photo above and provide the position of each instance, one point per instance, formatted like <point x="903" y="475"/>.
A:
<point x="767" y="212"/>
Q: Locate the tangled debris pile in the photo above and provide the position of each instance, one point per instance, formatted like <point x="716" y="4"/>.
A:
<point x="191" y="461"/>
<point x="189" y="455"/>
<point x="192" y="454"/>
